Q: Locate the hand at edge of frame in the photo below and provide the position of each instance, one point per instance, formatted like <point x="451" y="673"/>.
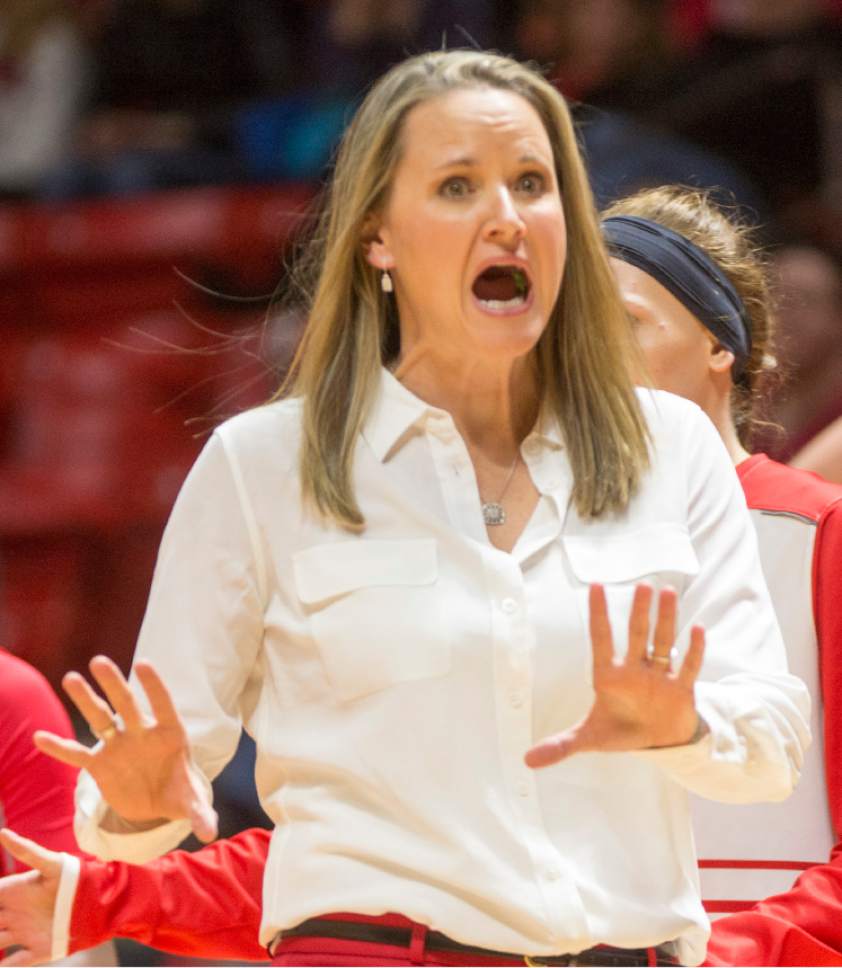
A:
<point x="27" y="902"/>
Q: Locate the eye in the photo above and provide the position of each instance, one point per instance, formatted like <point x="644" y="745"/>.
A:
<point x="532" y="183"/>
<point x="456" y="187"/>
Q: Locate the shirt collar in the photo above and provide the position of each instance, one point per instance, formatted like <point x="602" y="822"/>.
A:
<point x="392" y="413"/>
<point x="396" y="409"/>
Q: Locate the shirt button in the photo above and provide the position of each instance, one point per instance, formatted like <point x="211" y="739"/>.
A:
<point x="553" y="873"/>
<point x="516" y="698"/>
<point x="531" y="448"/>
<point x="509" y="606"/>
<point x="523" y="788"/>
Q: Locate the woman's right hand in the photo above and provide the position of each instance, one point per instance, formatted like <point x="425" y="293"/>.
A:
<point x="142" y="764"/>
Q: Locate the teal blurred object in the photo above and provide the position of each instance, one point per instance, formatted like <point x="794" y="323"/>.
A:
<point x="291" y="138"/>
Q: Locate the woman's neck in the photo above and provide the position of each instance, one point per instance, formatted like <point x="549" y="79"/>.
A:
<point x="494" y="405"/>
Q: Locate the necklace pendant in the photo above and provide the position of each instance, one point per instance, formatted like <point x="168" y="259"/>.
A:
<point x="493" y="513"/>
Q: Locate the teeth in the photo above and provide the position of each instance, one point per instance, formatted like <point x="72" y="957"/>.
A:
<point x="503" y="303"/>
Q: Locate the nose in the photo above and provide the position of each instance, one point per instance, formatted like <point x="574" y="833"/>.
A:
<point x="504" y="224"/>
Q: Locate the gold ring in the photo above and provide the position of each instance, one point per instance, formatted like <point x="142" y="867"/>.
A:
<point x="108" y="733"/>
<point x="662" y="659"/>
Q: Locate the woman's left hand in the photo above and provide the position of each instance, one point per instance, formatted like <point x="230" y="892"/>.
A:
<point x="641" y="701"/>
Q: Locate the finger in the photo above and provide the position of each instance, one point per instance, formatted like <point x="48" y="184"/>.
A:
<point x="602" y="644"/>
<point x="203" y="821"/>
<point x="158" y="695"/>
<point x="639" y="623"/>
<point x="113" y="683"/>
<point x="663" y="637"/>
<point x="554" y="749"/>
<point x="692" y="664"/>
<point x="61" y="749"/>
<point x="97" y="712"/>
<point x="30" y="853"/>
<point x="23" y="956"/>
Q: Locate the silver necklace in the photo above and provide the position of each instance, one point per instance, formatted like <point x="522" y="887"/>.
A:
<point x="493" y="512"/>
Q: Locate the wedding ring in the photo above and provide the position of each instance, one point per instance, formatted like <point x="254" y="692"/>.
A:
<point x="106" y="734"/>
<point x="664" y="660"/>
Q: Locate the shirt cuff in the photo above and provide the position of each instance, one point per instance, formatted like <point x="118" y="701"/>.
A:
<point x="63" y="911"/>
<point x="134" y="846"/>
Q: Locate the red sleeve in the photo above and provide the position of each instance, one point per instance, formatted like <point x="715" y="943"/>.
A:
<point x="205" y="904"/>
<point x="801" y="927"/>
<point x="827" y="609"/>
<point x="36" y="792"/>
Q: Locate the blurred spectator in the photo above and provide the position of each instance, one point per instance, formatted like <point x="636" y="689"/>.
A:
<point x="357" y="40"/>
<point x="615" y="54"/>
<point x="810" y="346"/>
<point x="170" y="75"/>
<point x="823" y="454"/>
<point x="764" y="90"/>
<point x="615" y="57"/>
<point x="43" y="80"/>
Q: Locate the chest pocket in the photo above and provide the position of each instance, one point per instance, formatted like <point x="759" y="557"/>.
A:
<point x="375" y="612"/>
<point x="660" y="554"/>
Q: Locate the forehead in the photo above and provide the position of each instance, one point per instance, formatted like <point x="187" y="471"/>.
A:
<point x="642" y="291"/>
<point x="463" y="122"/>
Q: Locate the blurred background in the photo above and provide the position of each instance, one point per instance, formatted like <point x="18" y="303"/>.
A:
<point x="156" y="161"/>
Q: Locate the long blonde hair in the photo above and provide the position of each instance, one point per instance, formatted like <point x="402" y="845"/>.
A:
<point x="583" y="354"/>
<point x="730" y="242"/>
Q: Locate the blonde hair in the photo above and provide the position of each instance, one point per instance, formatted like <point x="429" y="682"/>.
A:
<point x="352" y="330"/>
<point x="730" y="243"/>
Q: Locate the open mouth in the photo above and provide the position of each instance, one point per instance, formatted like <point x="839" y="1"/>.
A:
<point x="502" y="287"/>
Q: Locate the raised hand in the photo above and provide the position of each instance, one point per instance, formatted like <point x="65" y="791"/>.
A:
<point x="142" y="765"/>
<point x="27" y="902"/>
<point x="641" y="701"/>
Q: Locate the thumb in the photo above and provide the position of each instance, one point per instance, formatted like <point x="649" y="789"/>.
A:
<point x="47" y="862"/>
<point x="203" y="819"/>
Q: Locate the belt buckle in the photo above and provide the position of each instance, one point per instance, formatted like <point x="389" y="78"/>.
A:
<point x="556" y="960"/>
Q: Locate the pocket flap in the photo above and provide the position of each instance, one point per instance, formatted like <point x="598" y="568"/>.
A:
<point x="612" y="558"/>
<point x="327" y="570"/>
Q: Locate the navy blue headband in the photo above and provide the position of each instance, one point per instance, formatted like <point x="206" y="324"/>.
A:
<point x="689" y="274"/>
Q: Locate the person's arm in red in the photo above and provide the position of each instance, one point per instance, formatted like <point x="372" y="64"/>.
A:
<point x="205" y="904"/>
<point x="36" y="791"/>
<point x="803" y="926"/>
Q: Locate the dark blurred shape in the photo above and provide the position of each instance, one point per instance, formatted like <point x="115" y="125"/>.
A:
<point x="765" y="90"/>
<point x="170" y="76"/>
<point x="809" y="343"/>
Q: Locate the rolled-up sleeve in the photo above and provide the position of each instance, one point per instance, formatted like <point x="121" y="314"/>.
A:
<point x="757" y="713"/>
<point x="202" y="631"/>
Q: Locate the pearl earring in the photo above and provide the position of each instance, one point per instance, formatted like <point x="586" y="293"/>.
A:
<point x="386" y="282"/>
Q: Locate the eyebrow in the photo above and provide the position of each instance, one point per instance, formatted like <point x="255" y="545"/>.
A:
<point x="468" y="162"/>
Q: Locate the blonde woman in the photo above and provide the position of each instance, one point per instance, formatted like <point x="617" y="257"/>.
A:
<point x="418" y="579"/>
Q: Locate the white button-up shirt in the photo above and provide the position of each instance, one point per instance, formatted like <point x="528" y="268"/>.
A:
<point x="394" y="679"/>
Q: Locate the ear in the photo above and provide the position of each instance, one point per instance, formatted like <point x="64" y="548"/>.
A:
<point x="721" y="360"/>
<point x="375" y="241"/>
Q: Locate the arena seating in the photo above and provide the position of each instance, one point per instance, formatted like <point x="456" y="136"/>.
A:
<point x="114" y="369"/>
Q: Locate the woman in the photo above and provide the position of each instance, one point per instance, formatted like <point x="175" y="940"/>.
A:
<point x="667" y="247"/>
<point x="357" y="570"/>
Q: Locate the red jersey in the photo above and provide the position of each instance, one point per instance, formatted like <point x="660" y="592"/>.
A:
<point x="36" y="791"/>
